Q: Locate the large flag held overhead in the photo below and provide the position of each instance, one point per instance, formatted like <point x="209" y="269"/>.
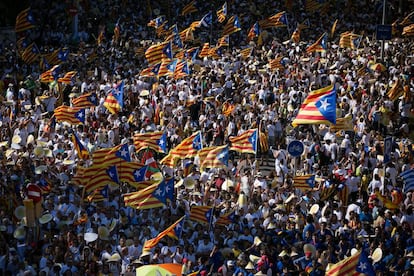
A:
<point x="276" y="63"/>
<point x="226" y="219"/>
<point x="86" y="100"/>
<point x="222" y="13"/>
<point x="319" y="45"/>
<point x="408" y="30"/>
<point x="232" y="25"/>
<point x="111" y="156"/>
<point x="408" y="178"/>
<point x="276" y="20"/>
<point x="154" y="140"/>
<point x="155" y="53"/>
<point x="72" y="115"/>
<point x="304" y="182"/>
<point x="24" y="21"/>
<point x="153" y="196"/>
<point x="254" y="31"/>
<point x="345" y="124"/>
<point x="353" y="265"/>
<point x="246" y="52"/>
<point x="114" y="101"/>
<point x="350" y="40"/>
<point x="214" y="157"/>
<point x="68" y="77"/>
<point x="174" y="231"/>
<point x="50" y="75"/>
<point x="31" y="53"/>
<point x="245" y="142"/>
<point x="186" y="149"/>
<point x="202" y="214"/>
<point x="319" y="107"/>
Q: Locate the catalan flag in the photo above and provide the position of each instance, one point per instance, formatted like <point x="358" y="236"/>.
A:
<point x="226" y="219"/>
<point x="353" y="265"/>
<point x="349" y="40"/>
<point x="223" y="41"/>
<point x="99" y="194"/>
<point x="214" y="52"/>
<point x="228" y="108"/>
<point x="277" y="20"/>
<point x="82" y="152"/>
<point x="31" y="53"/>
<point x="345" y="124"/>
<point x="112" y="172"/>
<point x="245" y="142"/>
<point x="111" y="156"/>
<point x="45" y="185"/>
<point x="101" y="37"/>
<point x="187" y="34"/>
<point x="163" y="71"/>
<point x="157" y="22"/>
<point x="155" y="53"/>
<point x="114" y="101"/>
<point x="154" y="140"/>
<point x="173" y="231"/>
<point x="202" y="214"/>
<point x="68" y="77"/>
<point x="21" y="44"/>
<point x="50" y="75"/>
<point x="396" y="90"/>
<point x="319" y="45"/>
<point x="304" y="182"/>
<point x="276" y="63"/>
<point x="94" y="178"/>
<point x="205" y="50"/>
<point x="408" y="178"/>
<point x="72" y="115"/>
<point x="24" y="21"/>
<point x="318" y="108"/>
<point x="214" y="157"/>
<point x="232" y="25"/>
<point x="186" y="149"/>
<point x="222" y="13"/>
<point x="408" y="31"/>
<point x="254" y="31"/>
<point x="86" y="100"/>
<point x="153" y="196"/>
<point x="182" y="70"/>
<point x="207" y="20"/>
<point x="246" y="52"/>
<point x="58" y="56"/>
<point x="189" y="8"/>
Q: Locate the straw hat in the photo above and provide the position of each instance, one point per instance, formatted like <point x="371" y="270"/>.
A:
<point x="257" y="241"/>
<point x="189" y="182"/>
<point x="114" y="258"/>
<point x="19" y="233"/>
<point x="145" y="253"/>
<point x="40" y="169"/>
<point x="48" y="153"/>
<point x="38" y="151"/>
<point x="376" y="255"/>
<point x="20" y="212"/>
<point x="157" y="176"/>
<point x="30" y="139"/>
<point x="45" y="218"/>
<point x="129" y="242"/>
<point x="103" y="233"/>
<point x="90" y="237"/>
<point x="4" y="143"/>
<point x="253" y="258"/>
<point x="227" y="184"/>
<point x="16" y="139"/>
<point x="144" y="93"/>
<point x="249" y="266"/>
<point x="68" y="162"/>
<point x="112" y="225"/>
<point x="314" y="209"/>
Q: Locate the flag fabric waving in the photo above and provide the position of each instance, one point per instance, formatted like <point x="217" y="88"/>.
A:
<point x="153" y="196"/>
<point x="345" y="123"/>
<point x="173" y="231"/>
<point x="304" y="182"/>
<point x="189" y="8"/>
<point x="111" y="156"/>
<point x="334" y="27"/>
<point x="246" y="52"/>
<point x="86" y="100"/>
<point x="50" y="75"/>
<point x="202" y="214"/>
<point x="24" y="21"/>
<point x="349" y="40"/>
<point x="245" y="142"/>
<point x="254" y="31"/>
<point x="353" y="265"/>
<point x="318" y="108"/>
<point x="396" y="90"/>
<point x="112" y="171"/>
<point x="319" y="45"/>
<point x="225" y="219"/>
<point x="408" y="177"/>
<point x="114" y="101"/>
<point x="68" y="77"/>
<point x="72" y="115"/>
<point x="154" y="140"/>
<point x="186" y="149"/>
<point x="232" y="25"/>
<point x="31" y="53"/>
<point x="80" y="149"/>
<point x="222" y="13"/>
<point x="214" y="157"/>
<point x="99" y="194"/>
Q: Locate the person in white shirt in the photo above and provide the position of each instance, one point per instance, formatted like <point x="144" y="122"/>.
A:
<point x="204" y="246"/>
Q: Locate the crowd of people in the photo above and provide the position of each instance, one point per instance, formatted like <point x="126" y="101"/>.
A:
<point x="357" y="205"/>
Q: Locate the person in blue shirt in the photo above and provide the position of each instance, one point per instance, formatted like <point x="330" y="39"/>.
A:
<point x="309" y="227"/>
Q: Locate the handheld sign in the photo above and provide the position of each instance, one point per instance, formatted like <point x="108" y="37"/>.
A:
<point x="295" y="148"/>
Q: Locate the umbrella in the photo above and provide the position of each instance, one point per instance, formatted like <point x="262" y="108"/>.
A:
<point x="159" y="270"/>
<point x="378" y="67"/>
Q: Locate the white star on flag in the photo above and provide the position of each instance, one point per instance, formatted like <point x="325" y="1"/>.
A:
<point x="362" y="266"/>
<point x="221" y="155"/>
<point x="137" y="174"/>
<point x="158" y="192"/>
<point x="93" y="98"/>
<point x="167" y="189"/>
<point x="325" y="104"/>
<point x="80" y="114"/>
<point x="124" y="153"/>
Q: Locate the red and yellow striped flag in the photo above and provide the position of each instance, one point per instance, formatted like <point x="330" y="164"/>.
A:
<point x="186" y="149"/>
<point x="246" y="52"/>
<point x="205" y="50"/>
<point x="214" y="157"/>
<point x="173" y="231"/>
<point x="189" y="8"/>
<point x="245" y="142"/>
<point x="276" y="63"/>
<point x="202" y="214"/>
<point x="396" y="90"/>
